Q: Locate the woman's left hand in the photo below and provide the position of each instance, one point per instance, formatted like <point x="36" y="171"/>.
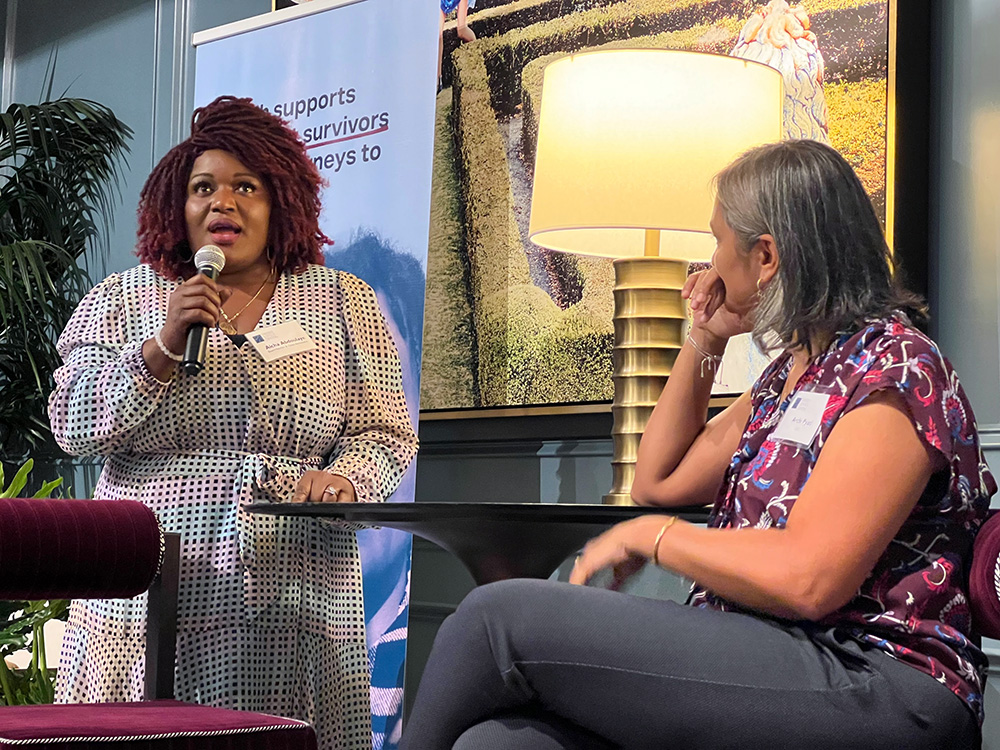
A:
<point x="624" y="548"/>
<point x="317" y="486"/>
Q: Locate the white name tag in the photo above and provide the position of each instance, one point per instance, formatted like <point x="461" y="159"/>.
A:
<point x="275" y="342"/>
<point x="802" y="418"/>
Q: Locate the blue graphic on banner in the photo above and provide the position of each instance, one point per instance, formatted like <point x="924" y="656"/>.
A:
<point x="357" y="82"/>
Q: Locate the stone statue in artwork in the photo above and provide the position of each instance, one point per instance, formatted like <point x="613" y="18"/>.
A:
<point x="778" y="35"/>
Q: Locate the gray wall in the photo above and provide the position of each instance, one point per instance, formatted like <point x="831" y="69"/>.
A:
<point x="965" y="228"/>
<point x="133" y="55"/>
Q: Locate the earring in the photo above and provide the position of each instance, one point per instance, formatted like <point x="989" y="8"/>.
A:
<point x="269" y="254"/>
<point x="758" y="286"/>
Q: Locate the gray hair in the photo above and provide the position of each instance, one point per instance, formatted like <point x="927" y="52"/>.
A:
<point x="834" y="267"/>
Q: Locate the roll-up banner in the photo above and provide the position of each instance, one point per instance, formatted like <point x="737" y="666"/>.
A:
<point x="357" y="81"/>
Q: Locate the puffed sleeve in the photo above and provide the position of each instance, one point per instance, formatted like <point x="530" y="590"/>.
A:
<point x="104" y="390"/>
<point x="378" y="441"/>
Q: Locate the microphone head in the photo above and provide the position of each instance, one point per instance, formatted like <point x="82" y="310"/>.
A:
<point x="210" y="257"/>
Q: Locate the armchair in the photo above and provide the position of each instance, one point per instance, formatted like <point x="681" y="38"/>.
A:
<point x="984" y="579"/>
<point x="116" y="549"/>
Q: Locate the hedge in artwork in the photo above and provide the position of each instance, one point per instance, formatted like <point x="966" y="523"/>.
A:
<point x="448" y="369"/>
<point x="529" y="351"/>
<point x="497" y="19"/>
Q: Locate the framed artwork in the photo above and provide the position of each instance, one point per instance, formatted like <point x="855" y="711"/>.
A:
<point x="509" y="326"/>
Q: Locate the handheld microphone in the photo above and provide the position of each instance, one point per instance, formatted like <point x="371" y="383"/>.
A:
<point x="209" y="261"/>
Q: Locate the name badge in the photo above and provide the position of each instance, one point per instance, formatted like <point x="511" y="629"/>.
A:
<point x="802" y="419"/>
<point x="275" y="342"/>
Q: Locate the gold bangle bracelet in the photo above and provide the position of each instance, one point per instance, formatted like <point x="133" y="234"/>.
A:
<point x="656" y="545"/>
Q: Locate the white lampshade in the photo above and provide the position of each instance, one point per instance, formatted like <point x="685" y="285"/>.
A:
<point x="629" y="140"/>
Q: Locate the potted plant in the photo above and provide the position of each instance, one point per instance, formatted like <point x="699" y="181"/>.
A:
<point x="60" y="164"/>
<point x="22" y="624"/>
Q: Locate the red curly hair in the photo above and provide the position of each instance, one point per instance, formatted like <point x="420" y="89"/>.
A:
<point x="263" y="143"/>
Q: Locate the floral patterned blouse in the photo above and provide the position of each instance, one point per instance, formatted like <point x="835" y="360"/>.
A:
<point x="913" y="605"/>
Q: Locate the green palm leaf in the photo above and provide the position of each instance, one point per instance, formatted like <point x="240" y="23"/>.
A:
<point x="61" y="164"/>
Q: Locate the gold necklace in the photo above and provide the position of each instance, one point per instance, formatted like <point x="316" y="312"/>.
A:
<point x="228" y="325"/>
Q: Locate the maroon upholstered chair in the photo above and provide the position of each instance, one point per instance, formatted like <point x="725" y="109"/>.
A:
<point x="984" y="578"/>
<point x="65" y="549"/>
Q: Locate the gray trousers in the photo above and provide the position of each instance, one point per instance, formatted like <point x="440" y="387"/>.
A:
<point x="540" y="665"/>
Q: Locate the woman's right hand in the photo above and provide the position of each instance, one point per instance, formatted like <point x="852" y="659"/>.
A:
<point x="197" y="300"/>
<point x="707" y="294"/>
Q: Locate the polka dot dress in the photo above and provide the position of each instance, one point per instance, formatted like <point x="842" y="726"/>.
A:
<point x="271" y="613"/>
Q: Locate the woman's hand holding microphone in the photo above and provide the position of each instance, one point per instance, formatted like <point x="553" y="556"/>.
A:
<point x="198" y="300"/>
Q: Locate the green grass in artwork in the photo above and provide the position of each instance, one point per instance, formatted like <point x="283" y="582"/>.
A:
<point x="819" y="6"/>
<point x="448" y="369"/>
<point x="857" y="128"/>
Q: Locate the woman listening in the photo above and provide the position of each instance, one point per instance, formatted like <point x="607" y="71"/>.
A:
<point x="830" y="601"/>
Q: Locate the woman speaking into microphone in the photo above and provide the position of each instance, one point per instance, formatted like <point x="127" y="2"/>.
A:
<point x="308" y="408"/>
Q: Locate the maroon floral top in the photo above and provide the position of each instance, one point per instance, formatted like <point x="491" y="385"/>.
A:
<point x="914" y="603"/>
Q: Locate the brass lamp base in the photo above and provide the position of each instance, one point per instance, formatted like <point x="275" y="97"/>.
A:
<point x="649" y="332"/>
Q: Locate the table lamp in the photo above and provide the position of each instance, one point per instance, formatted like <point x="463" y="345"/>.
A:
<point x="628" y="143"/>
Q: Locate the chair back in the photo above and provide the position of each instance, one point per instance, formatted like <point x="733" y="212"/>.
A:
<point x="77" y="549"/>
<point x="984" y="578"/>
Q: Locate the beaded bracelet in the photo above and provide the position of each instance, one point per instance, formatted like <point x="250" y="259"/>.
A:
<point x="714" y="361"/>
<point x="166" y="352"/>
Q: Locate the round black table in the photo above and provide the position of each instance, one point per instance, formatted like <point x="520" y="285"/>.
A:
<point x="493" y="540"/>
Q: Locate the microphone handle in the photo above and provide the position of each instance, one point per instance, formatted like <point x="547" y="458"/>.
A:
<point x="197" y="339"/>
<point x="195" y="349"/>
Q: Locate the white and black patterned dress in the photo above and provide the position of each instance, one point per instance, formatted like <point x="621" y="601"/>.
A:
<point x="271" y="610"/>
